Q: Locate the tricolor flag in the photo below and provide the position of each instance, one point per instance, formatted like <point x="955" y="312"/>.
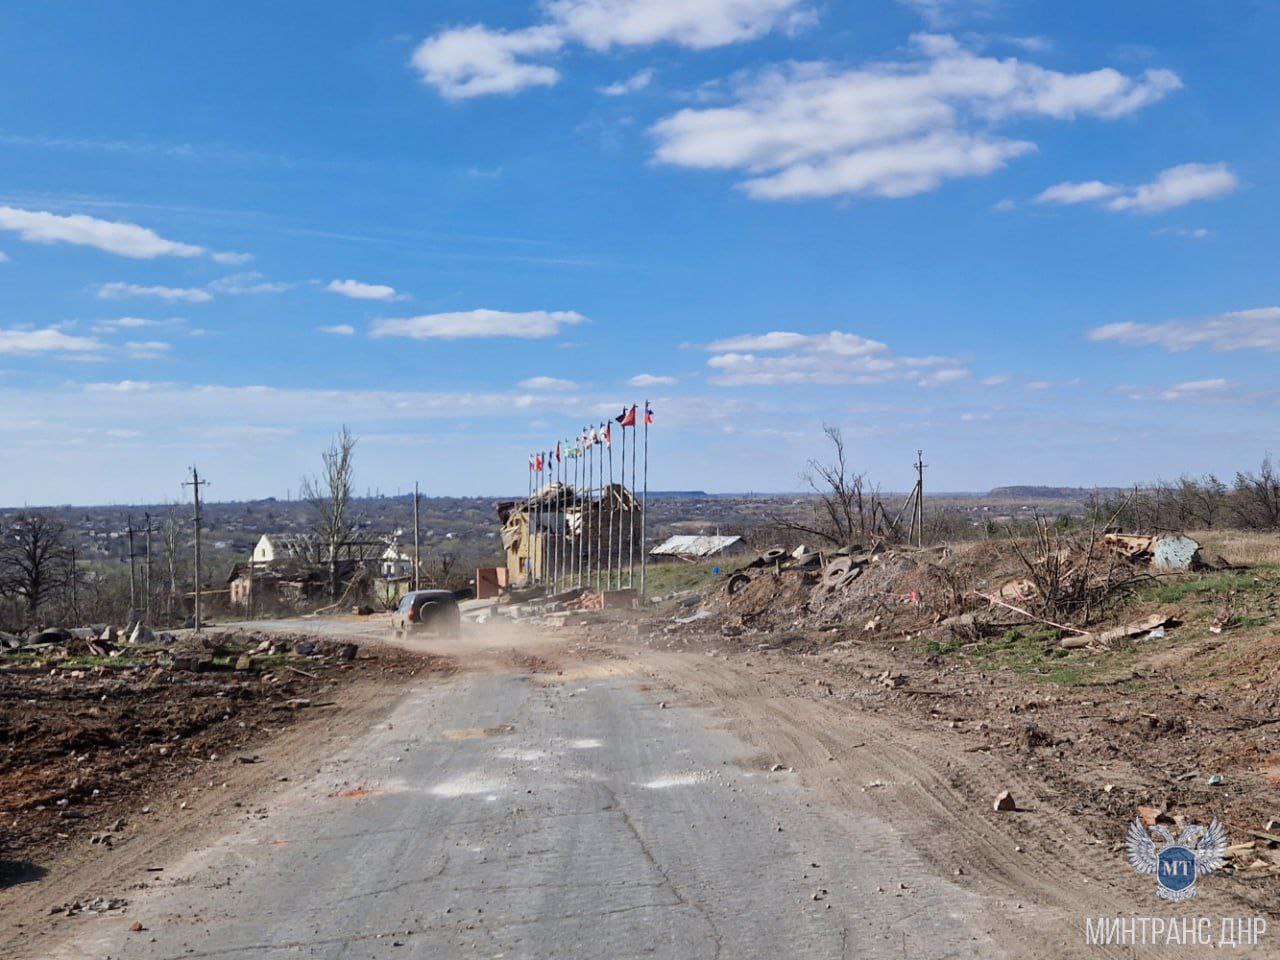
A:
<point x="558" y="458"/>
<point x="627" y="418"/>
<point x="608" y="435"/>
<point x="648" y="412"/>
<point x="531" y="463"/>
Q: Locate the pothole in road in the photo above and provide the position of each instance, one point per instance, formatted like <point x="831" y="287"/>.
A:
<point x="469" y="785"/>
<point x="478" y="733"/>
<point x="669" y="780"/>
<point x="528" y="756"/>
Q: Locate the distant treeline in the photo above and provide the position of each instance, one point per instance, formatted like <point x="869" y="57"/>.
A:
<point x="1250" y="501"/>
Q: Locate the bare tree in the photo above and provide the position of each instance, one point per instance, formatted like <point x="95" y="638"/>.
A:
<point x="845" y="512"/>
<point x="35" y="560"/>
<point x="170" y="545"/>
<point x="1256" y="503"/>
<point x="330" y="497"/>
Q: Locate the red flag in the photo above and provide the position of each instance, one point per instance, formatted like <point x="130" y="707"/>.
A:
<point x="538" y="463"/>
<point x="628" y="419"/>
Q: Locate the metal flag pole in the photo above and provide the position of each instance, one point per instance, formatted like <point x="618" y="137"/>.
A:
<point x="608" y="580"/>
<point x="538" y="565"/>
<point x="533" y="522"/>
<point x="580" y="470"/>
<point x="631" y="513"/>
<point x="622" y="498"/>
<point x="590" y="496"/>
<point x="561" y="554"/>
<point x="551" y="525"/>
<point x="545" y="507"/>
<point x="600" y="567"/>
<point x="576" y="538"/>
<point x="644" y="504"/>
<point x="528" y="518"/>
<point x="559" y="515"/>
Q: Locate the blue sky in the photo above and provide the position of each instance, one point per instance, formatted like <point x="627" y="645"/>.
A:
<point x="1036" y="239"/>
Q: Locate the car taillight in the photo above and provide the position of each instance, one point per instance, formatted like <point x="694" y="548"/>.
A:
<point x="413" y="614"/>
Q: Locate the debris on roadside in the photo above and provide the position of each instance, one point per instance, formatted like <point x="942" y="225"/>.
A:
<point x="1163" y="551"/>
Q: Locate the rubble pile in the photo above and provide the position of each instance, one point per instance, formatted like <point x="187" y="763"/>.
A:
<point x="979" y="589"/>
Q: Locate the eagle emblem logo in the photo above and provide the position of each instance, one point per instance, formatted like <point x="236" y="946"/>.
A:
<point x="1177" y="863"/>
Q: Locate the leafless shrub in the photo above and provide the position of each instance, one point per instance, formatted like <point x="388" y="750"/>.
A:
<point x="1076" y="581"/>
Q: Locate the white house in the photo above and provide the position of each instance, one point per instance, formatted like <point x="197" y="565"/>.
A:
<point x="275" y="547"/>
<point x="394" y="563"/>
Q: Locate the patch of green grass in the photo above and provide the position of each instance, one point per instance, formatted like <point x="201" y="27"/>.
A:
<point x="1204" y="586"/>
<point x="661" y="579"/>
<point x="1032" y="653"/>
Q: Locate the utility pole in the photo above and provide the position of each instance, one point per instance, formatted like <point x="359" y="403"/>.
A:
<point x="146" y="573"/>
<point x="133" y="571"/>
<point x="417" y="555"/>
<point x="920" y="465"/>
<point x="75" y="607"/>
<point x="195" y="483"/>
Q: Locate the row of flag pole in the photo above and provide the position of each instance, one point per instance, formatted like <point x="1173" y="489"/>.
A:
<point x="597" y="548"/>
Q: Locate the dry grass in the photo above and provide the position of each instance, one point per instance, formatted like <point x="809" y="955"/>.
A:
<point x="1245" y="547"/>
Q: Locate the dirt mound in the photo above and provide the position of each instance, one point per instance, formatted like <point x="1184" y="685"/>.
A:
<point x="891" y="591"/>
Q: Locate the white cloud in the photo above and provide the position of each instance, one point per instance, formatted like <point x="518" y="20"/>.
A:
<point x="363" y="291"/>
<point x="1256" y="329"/>
<point x="650" y="380"/>
<point x="700" y="25"/>
<point x="994" y="381"/>
<point x="1195" y="388"/>
<point x="48" y="340"/>
<point x="889" y="129"/>
<point x="546" y="383"/>
<point x="530" y="325"/>
<point x="1216" y="390"/>
<point x="339" y="330"/>
<point x="1179" y="186"/>
<point x="247" y="283"/>
<point x="632" y="84"/>
<point x="121" y="291"/>
<point x="1068" y="193"/>
<point x="147" y="349"/>
<point x="1186" y="233"/>
<point x="941" y="13"/>
<point x="4" y="257"/>
<point x="134" y="323"/>
<point x="230" y="258"/>
<point x="824" y="358"/>
<point x="838" y="342"/>
<point x="1174" y="187"/>
<point x="123" y="239"/>
<point x="475" y="60"/>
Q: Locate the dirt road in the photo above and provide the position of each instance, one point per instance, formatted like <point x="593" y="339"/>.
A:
<point x="563" y="798"/>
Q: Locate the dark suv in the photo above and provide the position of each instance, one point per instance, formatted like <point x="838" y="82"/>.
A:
<point x="429" y="611"/>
